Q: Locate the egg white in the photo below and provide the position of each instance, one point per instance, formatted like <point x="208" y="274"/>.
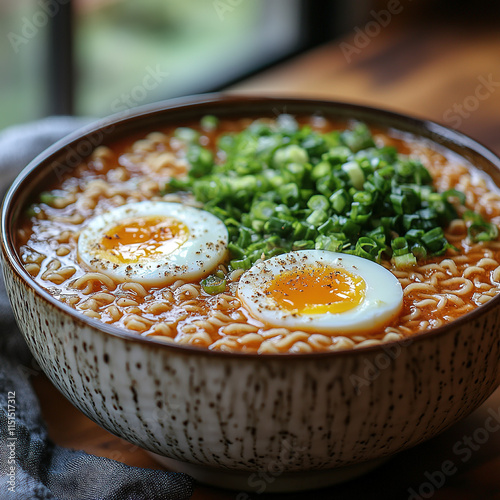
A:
<point x="205" y="247"/>
<point x="382" y="302"/>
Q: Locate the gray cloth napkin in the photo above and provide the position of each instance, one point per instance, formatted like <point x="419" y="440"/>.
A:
<point x="32" y="467"/>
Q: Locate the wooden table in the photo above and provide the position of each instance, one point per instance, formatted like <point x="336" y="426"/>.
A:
<point x="450" y="74"/>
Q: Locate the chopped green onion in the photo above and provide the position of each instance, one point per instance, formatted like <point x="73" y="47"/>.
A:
<point x="263" y="210"/>
<point x="320" y="170"/>
<point x="482" y="232"/>
<point x="366" y="248"/>
<point x="363" y="198"/>
<point x="295" y="172"/>
<point x="340" y="200"/>
<point x="187" y="134"/>
<point x="419" y="251"/>
<point x="289" y="193"/>
<point x="209" y="123"/>
<point x="47" y="198"/>
<point x="358" y="138"/>
<point x="258" y="225"/>
<point x="453" y="193"/>
<point x="213" y="284"/>
<point x="241" y="263"/>
<point x="318" y="202"/>
<point x="236" y="250"/>
<point x="337" y="155"/>
<point x="329" y="243"/>
<point x="399" y="246"/>
<point x="478" y="229"/>
<point x="356" y="176"/>
<point x="278" y="226"/>
<point x="303" y="245"/>
<point x="317" y="217"/>
<point x="271" y="253"/>
<point x="32" y="211"/>
<point x="435" y="241"/>
<point x="290" y="154"/>
<point x="278" y="186"/>
<point x="200" y="159"/>
<point x="244" y="238"/>
<point x="404" y="261"/>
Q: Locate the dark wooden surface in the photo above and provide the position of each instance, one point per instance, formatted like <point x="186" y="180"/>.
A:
<point x="448" y="73"/>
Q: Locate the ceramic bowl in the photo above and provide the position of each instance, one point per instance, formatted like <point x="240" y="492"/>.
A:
<point x="248" y="421"/>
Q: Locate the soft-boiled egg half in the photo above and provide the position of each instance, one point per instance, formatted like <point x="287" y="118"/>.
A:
<point x="321" y="291"/>
<point x="153" y="242"/>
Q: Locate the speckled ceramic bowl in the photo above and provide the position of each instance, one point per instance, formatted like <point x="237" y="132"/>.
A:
<point x="261" y="422"/>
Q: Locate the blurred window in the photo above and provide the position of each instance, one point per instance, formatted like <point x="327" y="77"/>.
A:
<point x="131" y="52"/>
<point x="96" y="57"/>
<point x="23" y="61"/>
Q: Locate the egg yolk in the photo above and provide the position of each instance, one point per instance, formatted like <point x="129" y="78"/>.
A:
<point x="317" y="290"/>
<point x="145" y="237"/>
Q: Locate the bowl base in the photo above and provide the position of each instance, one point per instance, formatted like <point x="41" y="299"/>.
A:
<point x="269" y="482"/>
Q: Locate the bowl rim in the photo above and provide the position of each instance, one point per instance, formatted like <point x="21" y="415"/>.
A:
<point x="434" y="130"/>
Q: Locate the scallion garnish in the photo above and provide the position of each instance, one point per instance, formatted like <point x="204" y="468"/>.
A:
<point x="283" y="187"/>
<point x="213" y="284"/>
<point x="478" y="229"/>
